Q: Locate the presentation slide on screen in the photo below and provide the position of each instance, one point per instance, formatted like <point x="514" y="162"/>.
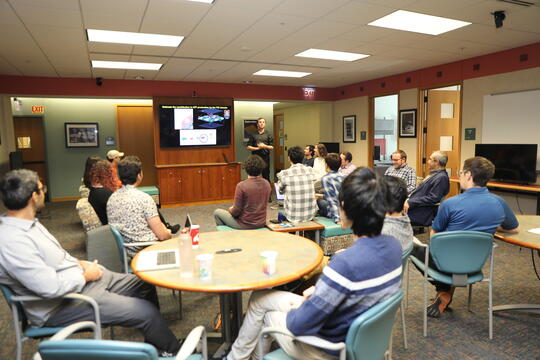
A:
<point x="198" y="137"/>
<point x="183" y="119"/>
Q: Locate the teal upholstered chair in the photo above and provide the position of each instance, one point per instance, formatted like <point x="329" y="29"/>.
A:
<point x="121" y="246"/>
<point x="25" y="331"/>
<point x="333" y="237"/>
<point x="101" y="245"/>
<point x="460" y="256"/>
<point x="60" y="348"/>
<point x="367" y="339"/>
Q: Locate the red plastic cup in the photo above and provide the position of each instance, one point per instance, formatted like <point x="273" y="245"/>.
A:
<point x="195" y="229"/>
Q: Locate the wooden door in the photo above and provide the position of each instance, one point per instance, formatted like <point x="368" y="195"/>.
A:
<point x="279" y="143"/>
<point x="136" y="137"/>
<point x="30" y="140"/>
<point x="438" y="127"/>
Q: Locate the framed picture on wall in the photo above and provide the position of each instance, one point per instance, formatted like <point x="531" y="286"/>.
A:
<point x="407" y="123"/>
<point x="349" y="129"/>
<point x="81" y="135"/>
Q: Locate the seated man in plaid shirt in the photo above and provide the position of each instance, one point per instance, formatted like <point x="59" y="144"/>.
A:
<point x="401" y="170"/>
<point x="331" y="184"/>
<point x="296" y="183"/>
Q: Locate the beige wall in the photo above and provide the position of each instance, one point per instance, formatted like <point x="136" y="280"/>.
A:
<point x="408" y="99"/>
<point x="473" y="100"/>
<point x="360" y="108"/>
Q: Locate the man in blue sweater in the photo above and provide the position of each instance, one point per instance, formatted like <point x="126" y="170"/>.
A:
<point x="475" y="209"/>
<point x="355" y="280"/>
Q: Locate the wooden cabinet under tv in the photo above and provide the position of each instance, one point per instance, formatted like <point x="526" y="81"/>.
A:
<point x="189" y="183"/>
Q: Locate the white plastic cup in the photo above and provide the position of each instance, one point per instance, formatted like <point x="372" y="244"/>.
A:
<point x="269" y="261"/>
<point x="205" y="266"/>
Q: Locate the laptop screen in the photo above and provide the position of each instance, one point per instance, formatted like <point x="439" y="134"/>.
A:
<point x="279" y="196"/>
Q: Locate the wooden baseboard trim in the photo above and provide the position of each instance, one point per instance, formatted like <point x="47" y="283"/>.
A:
<point x="67" y="198"/>
<point x="196" y="203"/>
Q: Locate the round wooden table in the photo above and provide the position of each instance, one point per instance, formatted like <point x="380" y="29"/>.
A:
<point x="526" y="239"/>
<point x="239" y="271"/>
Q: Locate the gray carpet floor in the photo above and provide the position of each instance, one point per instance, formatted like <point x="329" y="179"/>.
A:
<point x="457" y="335"/>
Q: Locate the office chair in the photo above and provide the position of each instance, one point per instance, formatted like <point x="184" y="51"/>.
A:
<point x="24" y="331"/>
<point x="459" y="256"/>
<point x="367" y="338"/>
<point x="61" y="348"/>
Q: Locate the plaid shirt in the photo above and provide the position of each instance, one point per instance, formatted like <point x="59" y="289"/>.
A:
<point x="331" y="184"/>
<point x="405" y="173"/>
<point x="296" y="183"/>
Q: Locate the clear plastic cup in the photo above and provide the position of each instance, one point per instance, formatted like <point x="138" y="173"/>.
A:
<point x="204" y="262"/>
<point x="269" y="261"/>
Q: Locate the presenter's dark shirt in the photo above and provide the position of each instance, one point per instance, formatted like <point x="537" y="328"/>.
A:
<point x="264" y="138"/>
<point x="98" y="199"/>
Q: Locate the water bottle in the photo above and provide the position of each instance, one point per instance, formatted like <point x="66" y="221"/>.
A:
<point x="186" y="254"/>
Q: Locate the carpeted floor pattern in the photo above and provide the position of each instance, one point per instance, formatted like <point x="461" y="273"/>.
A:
<point x="457" y="335"/>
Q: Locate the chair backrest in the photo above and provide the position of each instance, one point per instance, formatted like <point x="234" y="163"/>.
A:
<point x="87" y="214"/>
<point x="460" y="252"/>
<point x="369" y="334"/>
<point x="14" y="306"/>
<point x="120" y="246"/>
<point x="86" y="349"/>
<point x="101" y="245"/>
<point x="404" y="257"/>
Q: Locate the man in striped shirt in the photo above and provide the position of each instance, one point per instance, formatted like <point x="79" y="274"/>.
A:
<point x="355" y="280"/>
<point x="297" y="183"/>
<point x="401" y="170"/>
<point x="331" y="183"/>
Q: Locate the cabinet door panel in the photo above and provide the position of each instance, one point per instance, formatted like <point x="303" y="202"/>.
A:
<point x="191" y="189"/>
<point x="230" y="177"/>
<point x="211" y="182"/>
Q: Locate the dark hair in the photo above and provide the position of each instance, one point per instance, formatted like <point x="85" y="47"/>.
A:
<point x="296" y="154"/>
<point x="402" y="154"/>
<point x="347" y="155"/>
<point x="482" y="169"/>
<point x="87" y="178"/>
<point x="396" y="193"/>
<point x="311" y="150"/>
<point x="17" y="187"/>
<point x="254" y="165"/>
<point x="322" y="150"/>
<point x="102" y="174"/>
<point x="362" y="198"/>
<point x="128" y="169"/>
<point x="333" y="161"/>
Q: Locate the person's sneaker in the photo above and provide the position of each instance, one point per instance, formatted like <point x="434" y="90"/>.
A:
<point x="166" y="354"/>
<point x="174" y="228"/>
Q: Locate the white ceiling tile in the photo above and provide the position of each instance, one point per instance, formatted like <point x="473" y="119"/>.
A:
<point x="209" y="70"/>
<point x="248" y="4"/>
<point x="154" y="50"/>
<point x="44" y="16"/>
<point x="308" y="8"/>
<point x="359" y="13"/>
<point x="6" y="68"/>
<point x="172" y="17"/>
<point x="95" y="47"/>
<point x="177" y="69"/>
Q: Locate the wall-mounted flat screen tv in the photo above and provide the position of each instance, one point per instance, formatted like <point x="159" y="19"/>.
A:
<point x="513" y="162"/>
<point x="194" y="125"/>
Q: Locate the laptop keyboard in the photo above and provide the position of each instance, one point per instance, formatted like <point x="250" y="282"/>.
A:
<point x="166" y="258"/>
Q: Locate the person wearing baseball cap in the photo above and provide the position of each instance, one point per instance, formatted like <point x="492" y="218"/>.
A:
<point x="114" y="157"/>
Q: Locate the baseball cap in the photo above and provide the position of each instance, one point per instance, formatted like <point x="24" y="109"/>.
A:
<point x="114" y="154"/>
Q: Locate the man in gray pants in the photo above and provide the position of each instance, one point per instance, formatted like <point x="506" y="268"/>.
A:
<point x="32" y="262"/>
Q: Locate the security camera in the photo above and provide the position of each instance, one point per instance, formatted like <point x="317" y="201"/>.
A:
<point x="499" y="17"/>
<point x="99" y="81"/>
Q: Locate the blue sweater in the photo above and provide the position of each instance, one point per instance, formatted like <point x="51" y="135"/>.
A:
<point x="355" y="280"/>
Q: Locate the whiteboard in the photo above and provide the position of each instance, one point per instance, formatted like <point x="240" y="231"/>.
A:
<point x="512" y="118"/>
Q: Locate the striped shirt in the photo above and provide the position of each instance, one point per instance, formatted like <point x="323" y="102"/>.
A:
<point x="296" y="183"/>
<point x="355" y="280"/>
<point x="331" y="184"/>
<point x="405" y="173"/>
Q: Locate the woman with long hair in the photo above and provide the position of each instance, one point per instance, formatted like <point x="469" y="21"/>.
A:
<point x="102" y="186"/>
<point x="319" y="165"/>
<point x="86" y="179"/>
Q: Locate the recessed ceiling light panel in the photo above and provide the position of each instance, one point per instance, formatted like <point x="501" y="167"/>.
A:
<point x="125" y="65"/>
<point x="420" y="23"/>
<point x="123" y="37"/>
<point x="295" y="74"/>
<point x="331" y="55"/>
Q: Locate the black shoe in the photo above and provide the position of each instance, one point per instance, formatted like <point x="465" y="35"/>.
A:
<point x="166" y="354"/>
<point x="174" y="228"/>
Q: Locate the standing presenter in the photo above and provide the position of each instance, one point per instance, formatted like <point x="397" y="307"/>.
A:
<point x="261" y="143"/>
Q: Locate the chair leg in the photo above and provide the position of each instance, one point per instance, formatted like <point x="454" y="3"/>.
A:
<point x="112" y="332"/>
<point x="407" y="275"/>
<point x="469" y="300"/>
<point x="403" y="326"/>
<point x="425" y="306"/>
<point x="179" y="302"/>
<point x="490" y="308"/>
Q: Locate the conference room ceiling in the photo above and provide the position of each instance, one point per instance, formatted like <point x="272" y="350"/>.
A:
<point x="231" y="39"/>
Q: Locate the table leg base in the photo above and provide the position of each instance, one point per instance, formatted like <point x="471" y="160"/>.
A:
<point x="526" y="308"/>
<point x="222" y="351"/>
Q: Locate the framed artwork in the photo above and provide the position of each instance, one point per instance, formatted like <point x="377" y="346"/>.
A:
<point x="81" y="135"/>
<point x="349" y="129"/>
<point x="407" y="123"/>
<point x="250" y="127"/>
